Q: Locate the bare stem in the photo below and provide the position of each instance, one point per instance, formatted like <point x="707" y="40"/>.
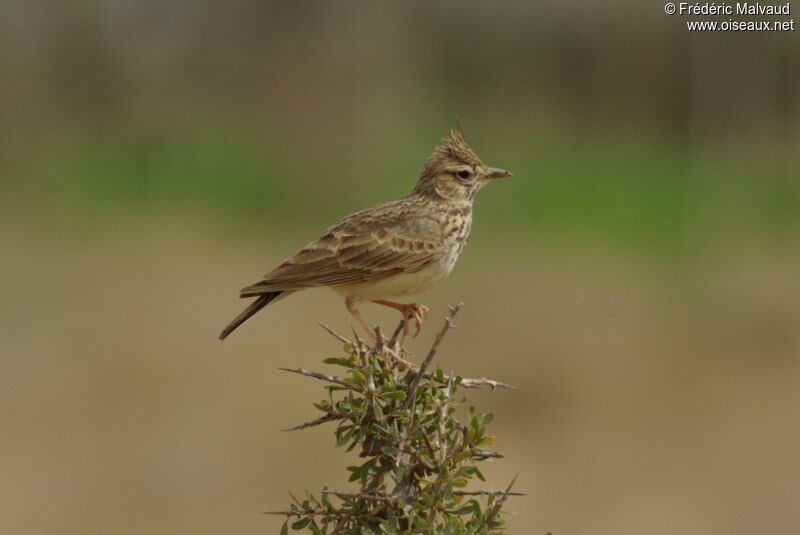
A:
<point x="323" y="377"/>
<point x="396" y="334"/>
<point x="318" y="421"/>
<point x="489" y="521"/>
<point x="334" y="333"/>
<point x="298" y="513"/>
<point x="448" y="323"/>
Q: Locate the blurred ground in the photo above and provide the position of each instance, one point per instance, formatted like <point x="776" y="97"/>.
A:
<point x="641" y="409"/>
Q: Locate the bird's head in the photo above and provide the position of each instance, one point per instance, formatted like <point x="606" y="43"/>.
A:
<point x="453" y="171"/>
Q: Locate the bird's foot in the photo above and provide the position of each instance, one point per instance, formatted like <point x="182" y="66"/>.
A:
<point x="409" y="311"/>
<point x="415" y="311"/>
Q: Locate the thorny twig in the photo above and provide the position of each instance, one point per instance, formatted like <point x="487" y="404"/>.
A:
<point x="318" y="421"/>
<point x="323" y="377"/>
<point x="499" y="503"/>
<point x="396" y="334"/>
<point x="334" y="333"/>
<point x="448" y="322"/>
<point x="480" y="382"/>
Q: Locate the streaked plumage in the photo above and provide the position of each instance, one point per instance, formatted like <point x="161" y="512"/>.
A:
<point x="393" y="249"/>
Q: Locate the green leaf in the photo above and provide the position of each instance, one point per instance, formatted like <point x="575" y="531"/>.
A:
<point x="473" y="422"/>
<point x="343" y="437"/>
<point x="461" y="455"/>
<point x="464" y="510"/>
<point x="479" y="474"/>
<point x="354" y="443"/>
<point x="285" y="528"/>
<point x="300" y="524"/>
<point x="338" y="361"/>
<point x="361" y="471"/>
<point x="470" y="438"/>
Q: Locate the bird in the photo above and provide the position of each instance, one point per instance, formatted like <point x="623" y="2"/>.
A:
<point x="391" y="250"/>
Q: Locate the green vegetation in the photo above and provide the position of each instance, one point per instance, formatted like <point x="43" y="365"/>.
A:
<point x="417" y="455"/>
<point x="615" y="189"/>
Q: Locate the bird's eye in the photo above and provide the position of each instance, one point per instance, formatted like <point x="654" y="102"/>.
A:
<point x="463" y="174"/>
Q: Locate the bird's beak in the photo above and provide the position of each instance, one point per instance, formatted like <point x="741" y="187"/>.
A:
<point x="494" y="172"/>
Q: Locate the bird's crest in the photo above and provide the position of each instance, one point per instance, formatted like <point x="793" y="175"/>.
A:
<point x="452" y="149"/>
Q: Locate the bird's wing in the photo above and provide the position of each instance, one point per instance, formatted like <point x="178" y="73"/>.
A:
<point x="363" y="247"/>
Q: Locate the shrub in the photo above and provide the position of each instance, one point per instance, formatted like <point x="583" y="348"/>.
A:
<point x="418" y="457"/>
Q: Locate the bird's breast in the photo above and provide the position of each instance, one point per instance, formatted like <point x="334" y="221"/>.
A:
<point x="456" y="230"/>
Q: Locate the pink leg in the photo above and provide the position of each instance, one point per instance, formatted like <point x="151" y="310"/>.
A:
<point x="371" y="333"/>
<point x="352" y="309"/>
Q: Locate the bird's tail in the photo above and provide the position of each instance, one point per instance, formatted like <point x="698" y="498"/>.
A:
<point x="262" y="301"/>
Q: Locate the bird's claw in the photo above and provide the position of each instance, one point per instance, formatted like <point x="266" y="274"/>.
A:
<point x="418" y="313"/>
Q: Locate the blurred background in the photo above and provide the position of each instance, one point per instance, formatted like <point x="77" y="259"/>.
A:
<point x="638" y="278"/>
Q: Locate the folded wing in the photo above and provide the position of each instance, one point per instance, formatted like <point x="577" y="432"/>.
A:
<point x="363" y="247"/>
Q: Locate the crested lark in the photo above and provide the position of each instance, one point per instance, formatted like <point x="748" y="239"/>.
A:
<point x="394" y="249"/>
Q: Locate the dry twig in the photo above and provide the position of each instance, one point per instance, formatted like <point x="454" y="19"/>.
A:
<point x="323" y="377"/>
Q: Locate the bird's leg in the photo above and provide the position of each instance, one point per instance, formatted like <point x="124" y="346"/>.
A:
<point x="371" y="332"/>
<point x="411" y="310"/>
<point x="352" y="309"/>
